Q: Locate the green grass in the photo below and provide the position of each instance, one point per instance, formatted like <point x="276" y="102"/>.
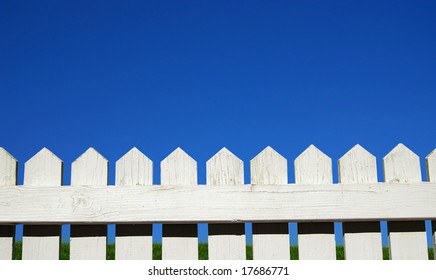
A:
<point x="202" y="252"/>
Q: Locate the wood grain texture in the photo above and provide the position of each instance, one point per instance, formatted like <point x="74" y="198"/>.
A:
<point x="407" y="240"/>
<point x="218" y="204"/>
<point x="362" y="240"/>
<point x="226" y="241"/>
<point x="8" y="177"/>
<point x="89" y="242"/>
<point x="134" y="242"/>
<point x="179" y="242"/>
<point x="8" y="169"/>
<point x="42" y="242"/>
<point x="7" y="233"/>
<point x="316" y="241"/>
<point x="430" y="163"/>
<point x="270" y="240"/>
<point x="224" y="168"/>
<point x="134" y="169"/>
<point x="269" y="168"/>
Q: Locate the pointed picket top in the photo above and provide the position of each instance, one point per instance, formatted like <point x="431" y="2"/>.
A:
<point x="179" y="169"/>
<point x="357" y="166"/>
<point x="134" y="169"/>
<point x="90" y="168"/>
<point x="224" y="168"/>
<point x="313" y="167"/>
<point x="43" y="169"/>
<point x="430" y="162"/>
<point x="8" y="168"/>
<point x="401" y="165"/>
<point x="269" y="168"/>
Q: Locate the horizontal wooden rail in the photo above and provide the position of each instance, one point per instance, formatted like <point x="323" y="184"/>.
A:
<point x="217" y="204"/>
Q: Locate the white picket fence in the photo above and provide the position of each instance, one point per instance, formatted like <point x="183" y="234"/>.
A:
<point x="225" y="203"/>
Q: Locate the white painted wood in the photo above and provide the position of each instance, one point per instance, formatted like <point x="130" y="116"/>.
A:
<point x="357" y="166"/>
<point x="269" y="168"/>
<point x="316" y="241"/>
<point x="91" y="168"/>
<point x="306" y="169"/>
<point x="199" y="204"/>
<point x="407" y="240"/>
<point x="179" y="242"/>
<point x="178" y="169"/>
<point x="224" y="168"/>
<point x="270" y="240"/>
<point x="134" y="242"/>
<point x="430" y="162"/>
<point x="362" y="240"/>
<point x="89" y="242"/>
<point x="43" y="169"/>
<point x="134" y="169"/>
<point x="42" y="242"/>
<point x="8" y="169"/>
<point x="40" y="248"/>
<point x="8" y="177"/>
<point x="226" y="241"/>
<point x="401" y="165"/>
<point x="6" y="241"/>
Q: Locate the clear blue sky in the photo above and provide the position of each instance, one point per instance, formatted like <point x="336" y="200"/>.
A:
<point x="207" y="74"/>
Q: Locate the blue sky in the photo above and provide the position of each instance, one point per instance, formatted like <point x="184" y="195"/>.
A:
<point x="207" y="74"/>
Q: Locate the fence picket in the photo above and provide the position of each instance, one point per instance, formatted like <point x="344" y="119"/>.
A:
<point x="316" y="241"/>
<point x="270" y="240"/>
<point x="179" y="242"/>
<point x="42" y="242"/>
<point x="362" y="240"/>
<point x="407" y="240"/>
<point x="430" y="161"/>
<point x="8" y="177"/>
<point x="134" y="242"/>
<point x="88" y="242"/>
<point x="226" y="241"/>
<point x="42" y="204"/>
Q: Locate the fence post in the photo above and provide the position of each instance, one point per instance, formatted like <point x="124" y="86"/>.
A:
<point x="42" y="242"/>
<point x="226" y="241"/>
<point x="362" y="240"/>
<point x="8" y="177"/>
<point x="88" y="242"/>
<point x="179" y="241"/>
<point x="407" y="240"/>
<point x="134" y="242"/>
<point x="430" y="161"/>
<point x="316" y="241"/>
<point x="270" y="240"/>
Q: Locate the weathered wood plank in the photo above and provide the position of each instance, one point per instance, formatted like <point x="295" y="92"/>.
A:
<point x="8" y="177"/>
<point x="7" y="233"/>
<point x="362" y="241"/>
<point x="42" y="242"/>
<point x="199" y="204"/>
<point x="8" y="169"/>
<point x="134" y="242"/>
<point x="226" y="241"/>
<point x="430" y="161"/>
<point x="134" y="169"/>
<point x="88" y="242"/>
<point x="407" y="240"/>
<point x="179" y="242"/>
<point x="315" y="240"/>
<point x="270" y="240"/>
